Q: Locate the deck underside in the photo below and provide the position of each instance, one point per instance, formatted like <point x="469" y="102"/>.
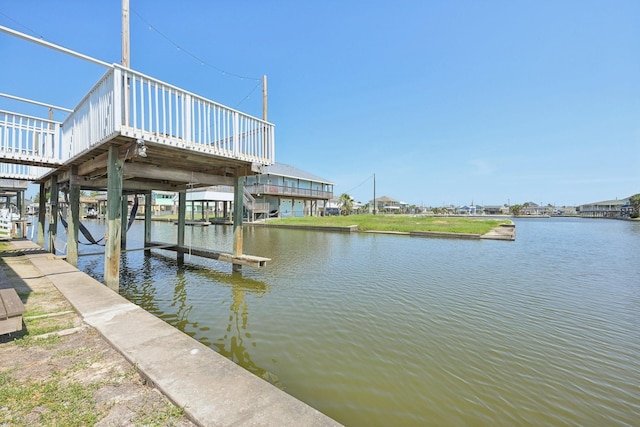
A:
<point x="165" y="168"/>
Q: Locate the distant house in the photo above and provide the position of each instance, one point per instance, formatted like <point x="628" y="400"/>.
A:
<point x="495" y="210"/>
<point x="387" y="204"/>
<point x="280" y="191"/>
<point x="88" y="206"/>
<point x="205" y="203"/>
<point x="286" y="191"/>
<point x="467" y="210"/>
<point x="606" y="209"/>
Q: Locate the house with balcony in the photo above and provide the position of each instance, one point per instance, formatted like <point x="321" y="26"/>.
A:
<point x="606" y="209"/>
<point x="387" y="204"/>
<point x="285" y="191"/>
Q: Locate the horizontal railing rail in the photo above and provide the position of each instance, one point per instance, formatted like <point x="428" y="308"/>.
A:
<point x="95" y="119"/>
<point x="159" y="112"/>
<point x="125" y="102"/>
<point x="22" y="172"/>
<point x="29" y="140"/>
<point x="281" y="190"/>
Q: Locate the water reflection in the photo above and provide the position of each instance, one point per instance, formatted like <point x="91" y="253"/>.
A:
<point x="168" y="297"/>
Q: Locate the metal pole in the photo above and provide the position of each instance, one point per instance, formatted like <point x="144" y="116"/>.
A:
<point x="53" y="46"/>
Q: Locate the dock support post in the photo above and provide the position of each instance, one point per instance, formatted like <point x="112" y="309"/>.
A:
<point x="73" y="217"/>
<point x="238" y="195"/>
<point x="53" y="218"/>
<point x="22" y="226"/>
<point x="147" y="221"/>
<point x="114" y="220"/>
<point x="42" y="214"/>
<point x="182" y="213"/>
<point x="124" y="221"/>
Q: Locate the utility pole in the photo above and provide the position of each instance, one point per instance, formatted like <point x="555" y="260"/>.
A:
<point x="126" y="59"/>
<point x="264" y="98"/>
<point x="374" y="193"/>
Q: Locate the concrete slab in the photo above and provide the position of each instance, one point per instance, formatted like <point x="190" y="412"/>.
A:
<point x="213" y="390"/>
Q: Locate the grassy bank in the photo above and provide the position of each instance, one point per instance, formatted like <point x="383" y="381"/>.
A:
<point x="399" y="223"/>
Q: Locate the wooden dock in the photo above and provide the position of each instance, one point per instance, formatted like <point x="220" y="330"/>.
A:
<point x="248" y="260"/>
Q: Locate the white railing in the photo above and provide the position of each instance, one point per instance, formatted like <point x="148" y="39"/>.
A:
<point x="22" y="172"/>
<point x="13" y="184"/>
<point x="94" y="120"/>
<point x="29" y="140"/>
<point x="132" y="104"/>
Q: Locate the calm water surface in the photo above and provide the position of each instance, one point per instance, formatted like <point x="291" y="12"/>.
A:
<point x="391" y="330"/>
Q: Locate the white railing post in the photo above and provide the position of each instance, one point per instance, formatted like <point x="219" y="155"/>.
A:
<point x="236" y="134"/>
<point x="187" y="104"/>
<point x="118" y="83"/>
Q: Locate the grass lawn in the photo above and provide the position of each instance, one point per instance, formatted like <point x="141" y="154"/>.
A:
<point x="399" y="223"/>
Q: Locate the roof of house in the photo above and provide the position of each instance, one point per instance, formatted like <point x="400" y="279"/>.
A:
<point x="617" y="202"/>
<point x="385" y="199"/>
<point x="288" y="171"/>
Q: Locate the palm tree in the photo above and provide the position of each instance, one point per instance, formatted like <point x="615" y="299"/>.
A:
<point x="516" y="209"/>
<point x="346" y="203"/>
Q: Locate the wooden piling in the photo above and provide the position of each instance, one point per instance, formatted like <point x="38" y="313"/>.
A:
<point x="42" y="214"/>
<point x="147" y="220"/>
<point x="114" y="218"/>
<point x="73" y="217"/>
<point x="238" y="199"/>
<point x="53" y="218"/>
<point x="182" y="212"/>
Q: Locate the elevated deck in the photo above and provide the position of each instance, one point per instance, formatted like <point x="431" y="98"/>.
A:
<point x="167" y="137"/>
<point x="134" y="134"/>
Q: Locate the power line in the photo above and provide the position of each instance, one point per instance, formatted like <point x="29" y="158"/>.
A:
<point x="22" y="25"/>
<point x="200" y="60"/>
<point x="359" y="185"/>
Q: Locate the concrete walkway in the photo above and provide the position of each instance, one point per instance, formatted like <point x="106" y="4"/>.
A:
<point x="213" y="390"/>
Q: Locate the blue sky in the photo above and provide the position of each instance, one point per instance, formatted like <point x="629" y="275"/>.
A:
<point x="447" y="102"/>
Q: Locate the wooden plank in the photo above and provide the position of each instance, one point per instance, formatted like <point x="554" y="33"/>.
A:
<point x="248" y="260"/>
<point x="11" y="309"/>
<point x="3" y="311"/>
<point x="12" y="303"/>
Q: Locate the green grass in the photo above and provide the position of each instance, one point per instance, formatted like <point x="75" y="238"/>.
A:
<point x="46" y="402"/>
<point x="398" y="223"/>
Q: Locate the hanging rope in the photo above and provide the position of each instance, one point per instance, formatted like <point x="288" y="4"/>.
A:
<point x="134" y="211"/>
<point x="86" y="233"/>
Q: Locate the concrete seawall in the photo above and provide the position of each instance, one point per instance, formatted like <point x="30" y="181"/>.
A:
<point x="503" y="232"/>
<point x="212" y="390"/>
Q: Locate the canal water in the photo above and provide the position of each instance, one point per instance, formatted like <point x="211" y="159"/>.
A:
<point x="382" y="330"/>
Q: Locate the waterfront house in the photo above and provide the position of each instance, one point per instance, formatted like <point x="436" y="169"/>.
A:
<point x="496" y="210"/>
<point x="467" y="210"/>
<point x="605" y="209"/>
<point x="205" y="203"/>
<point x="286" y="191"/>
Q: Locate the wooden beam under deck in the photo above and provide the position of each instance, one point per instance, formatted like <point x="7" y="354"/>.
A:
<point x="168" y="168"/>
